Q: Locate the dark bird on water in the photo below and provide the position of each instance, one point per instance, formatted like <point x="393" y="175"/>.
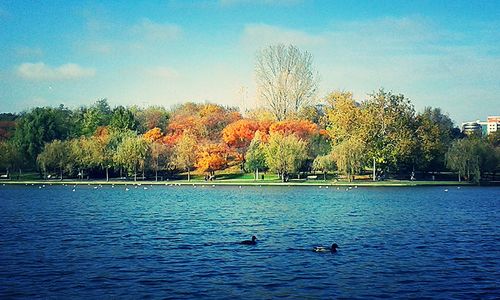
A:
<point x="333" y="248"/>
<point x="248" y="242"/>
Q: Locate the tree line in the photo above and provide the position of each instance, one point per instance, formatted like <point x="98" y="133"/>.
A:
<point x="290" y="134"/>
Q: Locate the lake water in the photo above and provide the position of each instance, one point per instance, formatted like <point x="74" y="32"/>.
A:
<point x="181" y="242"/>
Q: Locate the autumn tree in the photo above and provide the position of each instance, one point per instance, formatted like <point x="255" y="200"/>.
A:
<point x="284" y="154"/>
<point x="204" y="121"/>
<point x="303" y="129"/>
<point x="103" y="145"/>
<point x="286" y="80"/>
<point x="153" y="135"/>
<point x="212" y="157"/>
<point x="185" y="153"/>
<point x="158" y="156"/>
<point x="346" y="128"/>
<point x="239" y="134"/>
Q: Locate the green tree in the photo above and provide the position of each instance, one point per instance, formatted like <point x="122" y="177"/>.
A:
<point x="349" y="132"/>
<point x="131" y="154"/>
<point x="82" y="156"/>
<point x="10" y="157"/>
<point x="151" y="117"/>
<point x="390" y="125"/>
<point x="55" y="156"/>
<point x="122" y="119"/>
<point x="435" y="133"/>
<point x="348" y="156"/>
<point x="285" y="154"/>
<point x="255" y="155"/>
<point x="494" y="138"/>
<point x="324" y="163"/>
<point x="471" y="157"/>
<point x="185" y="153"/>
<point x="39" y="126"/>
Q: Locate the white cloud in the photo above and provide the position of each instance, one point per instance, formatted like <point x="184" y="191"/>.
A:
<point x="411" y="55"/>
<point x="41" y="71"/>
<point x="156" y="31"/>
<point x="262" y="34"/>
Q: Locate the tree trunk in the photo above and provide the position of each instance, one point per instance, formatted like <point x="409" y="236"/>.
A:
<point x="189" y="176"/>
<point x="107" y="173"/>
<point x="459" y="179"/>
<point x="324" y="176"/>
<point x="61" y="171"/>
<point x="374" y="168"/>
<point x="135" y="173"/>
<point x="156" y="175"/>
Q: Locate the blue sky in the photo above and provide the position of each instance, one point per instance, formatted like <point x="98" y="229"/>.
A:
<point x="438" y="53"/>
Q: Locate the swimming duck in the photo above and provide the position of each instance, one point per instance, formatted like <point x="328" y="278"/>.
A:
<point x="333" y="248"/>
<point x="248" y="242"/>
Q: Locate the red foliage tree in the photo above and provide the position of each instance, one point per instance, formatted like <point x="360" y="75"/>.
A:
<point x="303" y="129"/>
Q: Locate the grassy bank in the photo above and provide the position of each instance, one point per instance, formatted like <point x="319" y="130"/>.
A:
<point x="243" y="182"/>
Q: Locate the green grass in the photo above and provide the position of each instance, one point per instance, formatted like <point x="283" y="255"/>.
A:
<point x="240" y="179"/>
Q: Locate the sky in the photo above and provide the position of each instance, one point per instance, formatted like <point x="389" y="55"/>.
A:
<point x="437" y="53"/>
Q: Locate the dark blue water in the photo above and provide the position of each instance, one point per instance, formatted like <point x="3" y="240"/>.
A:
<point x="173" y="242"/>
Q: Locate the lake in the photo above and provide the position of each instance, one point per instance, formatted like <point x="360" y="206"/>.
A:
<point x="182" y="242"/>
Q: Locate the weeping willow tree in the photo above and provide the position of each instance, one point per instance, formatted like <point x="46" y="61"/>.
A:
<point x="471" y="157"/>
<point x="256" y="156"/>
<point x="131" y="154"/>
<point x="284" y="154"/>
<point x="55" y="156"/>
<point x="349" y="156"/>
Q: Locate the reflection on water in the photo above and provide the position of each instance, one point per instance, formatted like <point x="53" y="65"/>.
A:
<point x="184" y="242"/>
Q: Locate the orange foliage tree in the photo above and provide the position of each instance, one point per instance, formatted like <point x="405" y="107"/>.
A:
<point x="204" y="121"/>
<point x="212" y="157"/>
<point x="303" y="129"/>
<point x="239" y="134"/>
<point x="153" y="135"/>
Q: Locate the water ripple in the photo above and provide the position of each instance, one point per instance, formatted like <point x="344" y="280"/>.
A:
<point x="172" y="242"/>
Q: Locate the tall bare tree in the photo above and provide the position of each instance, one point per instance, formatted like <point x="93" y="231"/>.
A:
<point x="286" y="80"/>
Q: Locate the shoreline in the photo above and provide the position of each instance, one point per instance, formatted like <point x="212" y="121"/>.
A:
<point x="388" y="183"/>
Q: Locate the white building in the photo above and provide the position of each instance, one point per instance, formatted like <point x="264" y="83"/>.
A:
<point x="484" y="128"/>
<point x="493" y="124"/>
